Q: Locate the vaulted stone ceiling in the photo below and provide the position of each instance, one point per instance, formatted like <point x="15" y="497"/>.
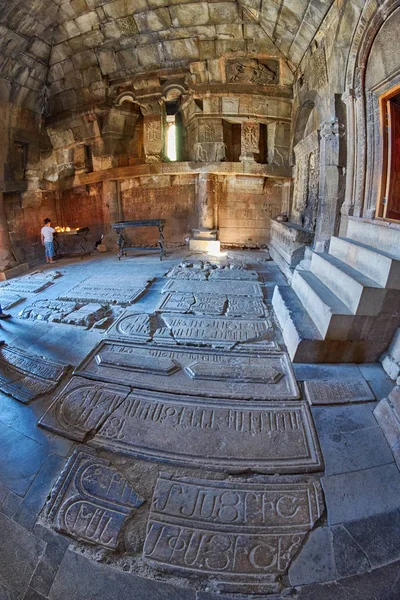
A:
<point x="74" y="48"/>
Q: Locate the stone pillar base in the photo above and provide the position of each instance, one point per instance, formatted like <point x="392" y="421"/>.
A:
<point x="14" y="272"/>
<point x="209" y="246"/>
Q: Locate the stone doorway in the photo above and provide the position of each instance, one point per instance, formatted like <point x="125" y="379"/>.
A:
<point x="388" y="206"/>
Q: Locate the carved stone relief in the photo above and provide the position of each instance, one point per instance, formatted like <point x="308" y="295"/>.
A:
<point x="92" y="501"/>
<point x="278" y="437"/>
<point x="26" y="376"/>
<point x="190" y="371"/>
<point x="242" y="535"/>
<point x="306" y="188"/>
<point x="81" y="407"/>
<point x="247" y="70"/>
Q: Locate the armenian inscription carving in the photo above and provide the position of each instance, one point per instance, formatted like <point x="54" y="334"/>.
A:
<point x="26" y="376"/>
<point x="243" y="534"/>
<point x="92" y="501"/>
<point x="82" y="406"/>
<point x="108" y="290"/>
<point x="234" y="288"/>
<point x="192" y="371"/>
<point x="234" y="273"/>
<point x="217" y="331"/>
<point x="319" y="391"/>
<point x="276" y="437"/>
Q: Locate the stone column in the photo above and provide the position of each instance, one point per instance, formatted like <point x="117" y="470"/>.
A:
<point x="331" y="183"/>
<point x="205" y="201"/>
<point x="250" y="141"/>
<point x="112" y="212"/>
<point x="7" y="259"/>
<point x="349" y="99"/>
<point x="204" y="238"/>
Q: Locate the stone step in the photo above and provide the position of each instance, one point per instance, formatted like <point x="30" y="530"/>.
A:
<point x="205" y="234"/>
<point x="361" y="295"/>
<point x="298" y="330"/>
<point x="381" y="267"/>
<point x="304" y="342"/>
<point x="331" y="316"/>
<point x="380" y="235"/>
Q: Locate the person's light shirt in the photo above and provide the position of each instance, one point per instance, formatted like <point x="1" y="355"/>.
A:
<point x="47" y="233"/>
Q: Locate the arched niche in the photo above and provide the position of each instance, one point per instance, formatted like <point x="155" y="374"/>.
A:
<point x="373" y="68"/>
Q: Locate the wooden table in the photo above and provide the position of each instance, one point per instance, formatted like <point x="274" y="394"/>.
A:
<point x="119" y="228"/>
<point x="81" y="234"/>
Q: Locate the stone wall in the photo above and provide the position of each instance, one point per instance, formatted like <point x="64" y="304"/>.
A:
<point x="169" y="197"/>
<point x="245" y="206"/>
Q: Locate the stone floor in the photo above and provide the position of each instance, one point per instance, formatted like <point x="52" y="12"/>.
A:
<point x="352" y="553"/>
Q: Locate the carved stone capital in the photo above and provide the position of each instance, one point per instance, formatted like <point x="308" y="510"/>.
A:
<point x="332" y="128"/>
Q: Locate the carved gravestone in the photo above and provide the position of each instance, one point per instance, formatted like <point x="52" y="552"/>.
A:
<point x="87" y="315"/>
<point x="233" y="273"/>
<point x="81" y="407"/>
<point x="48" y="310"/>
<point x="250" y="307"/>
<point x="224" y="288"/>
<point x="265" y="437"/>
<point x="208" y="304"/>
<point x="9" y="299"/>
<point x="192" y="371"/>
<point x="319" y="391"/>
<point x="92" y="501"/>
<point x="180" y="303"/>
<point x="218" y="331"/>
<point x="108" y="289"/>
<point x="241" y="536"/>
<point x="25" y="376"/>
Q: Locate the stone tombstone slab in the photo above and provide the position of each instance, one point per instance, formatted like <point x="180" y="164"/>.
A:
<point x="132" y="326"/>
<point x="25" y="376"/>
<point x="217" y="331"/>
<point x="49" y="275"/>
<point x="192" y="371"/>
<point x="320" y="391"/>
<point x="48" y="310"/>
<point x="224" y="288"/>
<point x="249" y="307"/>
<point x="243" y="536"/>
<point x="108" y="289"/>
<point x="92" y="501"/>
<point x="9" y="299"/>
<point x="208" y="304"/>
<point x="81" y="407"/>
<point x="266" y="437"/>
<point x="27" y="286"/>
<point x="236" y="274"/>
<point x="188" y="274"/>
<point x="87" y="315"/>
<point x="180" y="303"/>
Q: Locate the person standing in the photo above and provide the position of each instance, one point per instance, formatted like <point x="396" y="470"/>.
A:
<point x="47" y="234"/>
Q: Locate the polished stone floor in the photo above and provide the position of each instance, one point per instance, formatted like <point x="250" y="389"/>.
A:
<point x="354" y="553"/>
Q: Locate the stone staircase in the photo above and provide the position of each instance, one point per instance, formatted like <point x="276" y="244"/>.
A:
<point x="346" y="306"/>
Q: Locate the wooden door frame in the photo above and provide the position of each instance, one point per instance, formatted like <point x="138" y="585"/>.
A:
<point x="383" y="100"/>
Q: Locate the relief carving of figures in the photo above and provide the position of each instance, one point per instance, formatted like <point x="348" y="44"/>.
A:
<point x="253" y="71"/>
<point x="200" y="153"/>
<point x="250" y="137"/>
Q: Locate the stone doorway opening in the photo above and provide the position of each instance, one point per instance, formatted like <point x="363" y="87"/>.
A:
<point x="388" y="206"/>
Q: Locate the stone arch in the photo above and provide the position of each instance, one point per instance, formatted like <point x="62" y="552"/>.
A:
<point x="363" y="151"/>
